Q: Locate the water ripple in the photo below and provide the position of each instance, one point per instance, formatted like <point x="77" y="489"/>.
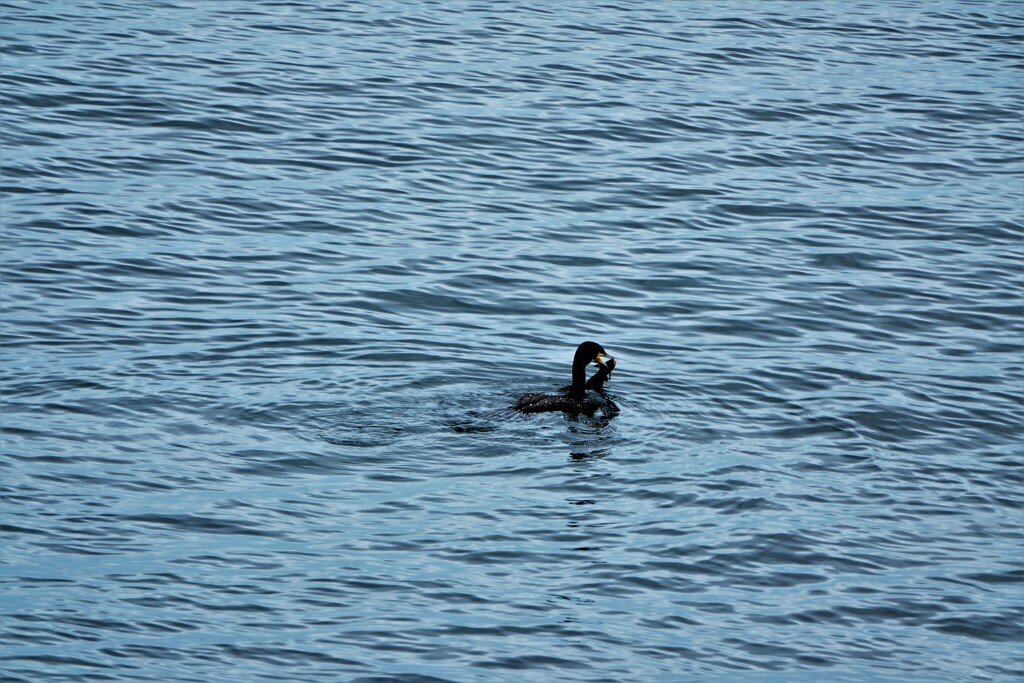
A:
<point x="274" y="272"/>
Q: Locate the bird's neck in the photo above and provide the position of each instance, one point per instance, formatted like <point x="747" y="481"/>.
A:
<point x="579" y="380"/>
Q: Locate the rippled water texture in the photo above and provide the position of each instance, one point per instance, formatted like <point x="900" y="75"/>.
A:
<point x="272" y="270"/>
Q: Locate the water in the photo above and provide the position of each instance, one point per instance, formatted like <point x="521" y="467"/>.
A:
<point x="272" y="269"/>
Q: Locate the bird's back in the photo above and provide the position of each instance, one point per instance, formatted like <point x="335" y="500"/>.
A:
<point x="543" y="403"/>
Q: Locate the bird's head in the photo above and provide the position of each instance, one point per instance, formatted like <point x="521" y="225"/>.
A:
<point x="591" y="352"/>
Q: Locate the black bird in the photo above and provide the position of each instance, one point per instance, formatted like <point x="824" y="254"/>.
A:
<point x="574" y="400"/>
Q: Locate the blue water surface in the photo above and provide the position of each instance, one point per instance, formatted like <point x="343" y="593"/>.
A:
<point x="273" y="270"/>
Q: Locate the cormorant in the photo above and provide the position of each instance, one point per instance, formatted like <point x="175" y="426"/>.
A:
<point x="574" y="400"/>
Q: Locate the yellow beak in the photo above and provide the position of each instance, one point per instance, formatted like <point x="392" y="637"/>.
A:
<point x="602" y="360"/>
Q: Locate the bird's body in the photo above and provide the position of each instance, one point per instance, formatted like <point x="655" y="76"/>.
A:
<point x="575" y="399"/>
<point x="545" y="403"/>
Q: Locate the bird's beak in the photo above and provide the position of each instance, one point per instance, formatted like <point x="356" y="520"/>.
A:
<point x="602" y="360"/>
